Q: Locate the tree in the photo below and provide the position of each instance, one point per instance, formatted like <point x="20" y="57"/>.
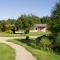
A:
<point x="35" y="19"/>
<point x="54" y="26"/>
<point x="45" y="19"/>
<point x="2" y="25"/>
<point x="3" y="28"/>
<point x="18" y="24"/>
<point x="26" y="22"/>
<point x="23" y="23"/>
<point x="11" y="21"/>
<point x="7" y="27"/>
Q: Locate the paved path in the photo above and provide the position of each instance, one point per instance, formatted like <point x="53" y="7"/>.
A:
<point x="21" y="52"/>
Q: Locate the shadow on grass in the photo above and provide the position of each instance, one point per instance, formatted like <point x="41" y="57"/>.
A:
<point x="29" y="42"/>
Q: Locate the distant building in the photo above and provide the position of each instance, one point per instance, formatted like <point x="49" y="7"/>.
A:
<point x="39" y="28"/>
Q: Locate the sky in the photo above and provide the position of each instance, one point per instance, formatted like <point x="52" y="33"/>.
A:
<point x="14" y="8"/>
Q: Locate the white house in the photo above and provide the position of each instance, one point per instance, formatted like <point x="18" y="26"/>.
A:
<point x="39" y="28"/>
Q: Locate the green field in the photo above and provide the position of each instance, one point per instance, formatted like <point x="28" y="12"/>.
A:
<point x="18" y="35"/>
<point x="6" y="52"/>
<point x="39" y="54"/>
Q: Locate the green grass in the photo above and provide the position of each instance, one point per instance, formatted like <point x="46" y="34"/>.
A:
<point x="18" y="35"/>
<point x="39" y="54"/>
<point x="6" y="52"/>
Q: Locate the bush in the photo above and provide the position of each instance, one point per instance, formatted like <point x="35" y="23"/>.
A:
<point x="39" y="38"/>
<point x="9" y="31"/>
<point x="44" y="42"/>
<point x="27" y="37"/>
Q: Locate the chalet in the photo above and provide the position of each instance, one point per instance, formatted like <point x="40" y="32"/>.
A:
<point x="39" y="28"/>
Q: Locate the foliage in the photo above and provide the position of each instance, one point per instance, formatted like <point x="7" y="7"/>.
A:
<point x="26" y="30"/>
<point x="54" y="27"/>
<point x="58" y="38"/>
<point x="56" y="46"/>
<point x="13" y="29"/>
<point x="39" y="38"/>
<point x="3" y="28"/>
<point x="54" y="23"/>
<point x="9" y="31"/>
<point x="18" y="24"/>
<point x="45" y="19"/>
<point x="45" y="44"/>
<point x="11" y="21"/>
<point x="26" y="22"/>
<point x="8" y="26"/>
<point x="2" y="25"/>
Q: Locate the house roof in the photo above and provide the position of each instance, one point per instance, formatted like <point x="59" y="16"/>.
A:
<point x="40" y="25"/>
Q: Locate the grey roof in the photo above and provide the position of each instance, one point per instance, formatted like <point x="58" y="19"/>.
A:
<point x="40" y="25"/>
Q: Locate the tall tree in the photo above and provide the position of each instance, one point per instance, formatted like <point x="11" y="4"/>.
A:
<point x="54" y="27"/>
<point x="54" y="24"/>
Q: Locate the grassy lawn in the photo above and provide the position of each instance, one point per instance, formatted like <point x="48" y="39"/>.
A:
<point x="39" y="54"/>
<point x="6" y="52"/>
<point x="18" y="35"/>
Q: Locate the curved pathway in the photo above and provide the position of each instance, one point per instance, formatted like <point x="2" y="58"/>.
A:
<point x="21" y="52"/>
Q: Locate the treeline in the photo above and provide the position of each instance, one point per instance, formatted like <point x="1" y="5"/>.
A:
<point x="24" y="22"/>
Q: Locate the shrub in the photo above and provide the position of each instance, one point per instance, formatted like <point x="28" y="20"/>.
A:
<point x="9" y="31"/>
<point x="45" y="43"/>
<point x="39" y="38"/>
<point x="27" y="37"/>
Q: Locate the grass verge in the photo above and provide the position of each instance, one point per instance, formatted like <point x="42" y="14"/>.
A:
<point x="6" y="52"/>
<point x="18" y="35"/>
<point x="39" y="54"/>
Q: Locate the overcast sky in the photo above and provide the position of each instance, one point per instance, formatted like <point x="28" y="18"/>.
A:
<point x="14" y="8"/>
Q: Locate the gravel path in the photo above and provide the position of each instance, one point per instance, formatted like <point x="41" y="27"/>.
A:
<point x="21" y="52"/>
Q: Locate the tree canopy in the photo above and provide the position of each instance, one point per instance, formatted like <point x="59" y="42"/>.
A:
<point x="26" y="22"/>
<point x="54" y="27"/>
<point x="54" y="23"/>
